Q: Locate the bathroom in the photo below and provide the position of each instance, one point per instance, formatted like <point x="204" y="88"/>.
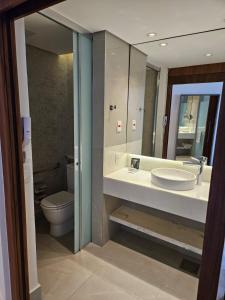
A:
<point x="140" y="205"/>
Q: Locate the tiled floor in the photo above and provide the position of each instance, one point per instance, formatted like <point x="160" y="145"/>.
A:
<point x="108" y="273"/>
<point x="171" y="256"/>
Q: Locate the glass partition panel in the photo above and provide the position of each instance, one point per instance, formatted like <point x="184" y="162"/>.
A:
<point x="82" y="139"/>
<point x="85" y="98"/>
<point x="76" y="146"/>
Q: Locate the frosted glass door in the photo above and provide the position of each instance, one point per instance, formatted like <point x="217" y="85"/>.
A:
<point x="85" y="101"/>
<point x="82" y="139"/>
<point x="76" y="146"/>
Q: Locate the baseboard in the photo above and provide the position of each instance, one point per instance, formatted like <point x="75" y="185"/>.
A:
<point x="36" y="294"/>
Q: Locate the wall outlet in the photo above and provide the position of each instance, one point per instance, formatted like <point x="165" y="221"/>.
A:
<point x="134" y="125"/>
<point x="119" y="126"/>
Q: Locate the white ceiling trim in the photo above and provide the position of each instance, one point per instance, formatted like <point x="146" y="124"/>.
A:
<point x="61" y="19"/>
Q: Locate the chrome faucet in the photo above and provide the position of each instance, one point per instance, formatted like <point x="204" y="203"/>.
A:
<point x="201" y="162"/>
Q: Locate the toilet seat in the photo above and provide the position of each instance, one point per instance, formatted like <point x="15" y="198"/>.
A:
<point x="58" y="200"/>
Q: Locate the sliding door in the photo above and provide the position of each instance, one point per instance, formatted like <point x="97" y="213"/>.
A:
<point x="76" y="145"/>
<point x="82" y="139"/>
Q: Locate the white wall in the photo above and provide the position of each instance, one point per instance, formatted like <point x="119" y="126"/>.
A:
<point x="191" y="89"/>
<point x="161" y="107"/>
<point x="29" y="194"/>
<point x="114" y="55"/>
<point x="5" y="287"/>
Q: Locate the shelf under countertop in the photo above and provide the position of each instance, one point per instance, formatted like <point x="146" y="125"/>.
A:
<point x="170" y="232"/>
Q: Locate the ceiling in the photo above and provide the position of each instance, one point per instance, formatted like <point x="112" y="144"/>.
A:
<point x="187" y="51"/>
<point x="48" y="35"/>
<point x="131" y="20"/>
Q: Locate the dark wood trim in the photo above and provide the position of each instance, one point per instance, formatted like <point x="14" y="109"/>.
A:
<point x="215" y="220"/>
<point x="11" y="140"/>
<point x="196" y="78"/>
<point x="31" y="6"/>
<point x="197" y="70"/>
<point x="9" y="4"/>
<point x="210" y="126"/>
<point x="192" y="74"/>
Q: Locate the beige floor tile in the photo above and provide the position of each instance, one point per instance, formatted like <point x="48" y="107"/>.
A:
<point x="136" y="287"/>
<point x="88" y="261"/>
<point x="109" y="272"/>
<point x="59" y="280"/>
<point x="48" y="248"/>
<point x="149" y="274"/>
<point x="97" y="288"/>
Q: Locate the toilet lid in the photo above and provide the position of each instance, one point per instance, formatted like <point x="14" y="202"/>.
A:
<point x="58" y="200"/>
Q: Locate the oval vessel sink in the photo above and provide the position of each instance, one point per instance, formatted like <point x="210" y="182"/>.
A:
<point x="173" y="179"/>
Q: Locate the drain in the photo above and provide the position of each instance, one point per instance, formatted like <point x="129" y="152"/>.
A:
<point x="189" y="266"/>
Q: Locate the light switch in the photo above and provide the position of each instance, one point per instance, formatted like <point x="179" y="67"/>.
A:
<point x="119" y="126"/>
<point x="134" y="125"/>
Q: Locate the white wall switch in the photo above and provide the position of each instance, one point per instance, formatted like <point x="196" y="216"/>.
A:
<point x="134" y="125"/>
<point x="26" y="131"/>
<point x="119" y="126"/>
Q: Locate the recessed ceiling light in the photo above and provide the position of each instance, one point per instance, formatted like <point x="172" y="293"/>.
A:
<point x="208" y="54"/>
<point x="151" y="34"/>
<point x="163" y="44"/>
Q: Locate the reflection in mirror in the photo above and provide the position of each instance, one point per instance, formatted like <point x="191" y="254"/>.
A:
<point x="187" y="127"/>
<point x="194" y="121"/>
<point x="150" y="110"/>
<point x="142" y="105"/>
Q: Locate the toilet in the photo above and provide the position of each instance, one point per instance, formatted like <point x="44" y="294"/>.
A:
<point x="58" y="208"/>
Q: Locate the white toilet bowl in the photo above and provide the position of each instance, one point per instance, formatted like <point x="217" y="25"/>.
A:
<point x="59" y="211"/>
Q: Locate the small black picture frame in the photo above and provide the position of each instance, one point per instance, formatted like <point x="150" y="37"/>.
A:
<point x="135" y="163"/>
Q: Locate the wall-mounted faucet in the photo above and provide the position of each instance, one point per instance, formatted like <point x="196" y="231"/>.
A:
<point x="201" y="162"/>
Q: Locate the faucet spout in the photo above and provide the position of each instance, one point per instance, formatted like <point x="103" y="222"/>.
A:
<point x="201" y="162"/>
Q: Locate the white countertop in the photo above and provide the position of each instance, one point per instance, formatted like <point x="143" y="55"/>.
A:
<point x="143" y="178"/>
<point x="137" y="187"/>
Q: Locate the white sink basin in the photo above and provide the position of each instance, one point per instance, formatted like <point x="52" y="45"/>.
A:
<point x="173" y="179"/>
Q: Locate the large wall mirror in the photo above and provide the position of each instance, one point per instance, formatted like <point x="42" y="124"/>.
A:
<point x="194" y="106"/>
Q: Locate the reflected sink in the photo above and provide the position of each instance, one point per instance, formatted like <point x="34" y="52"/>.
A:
<point x="173" y="179"/>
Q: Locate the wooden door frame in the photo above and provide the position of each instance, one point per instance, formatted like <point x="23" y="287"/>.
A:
<point x="11" y="140"/>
